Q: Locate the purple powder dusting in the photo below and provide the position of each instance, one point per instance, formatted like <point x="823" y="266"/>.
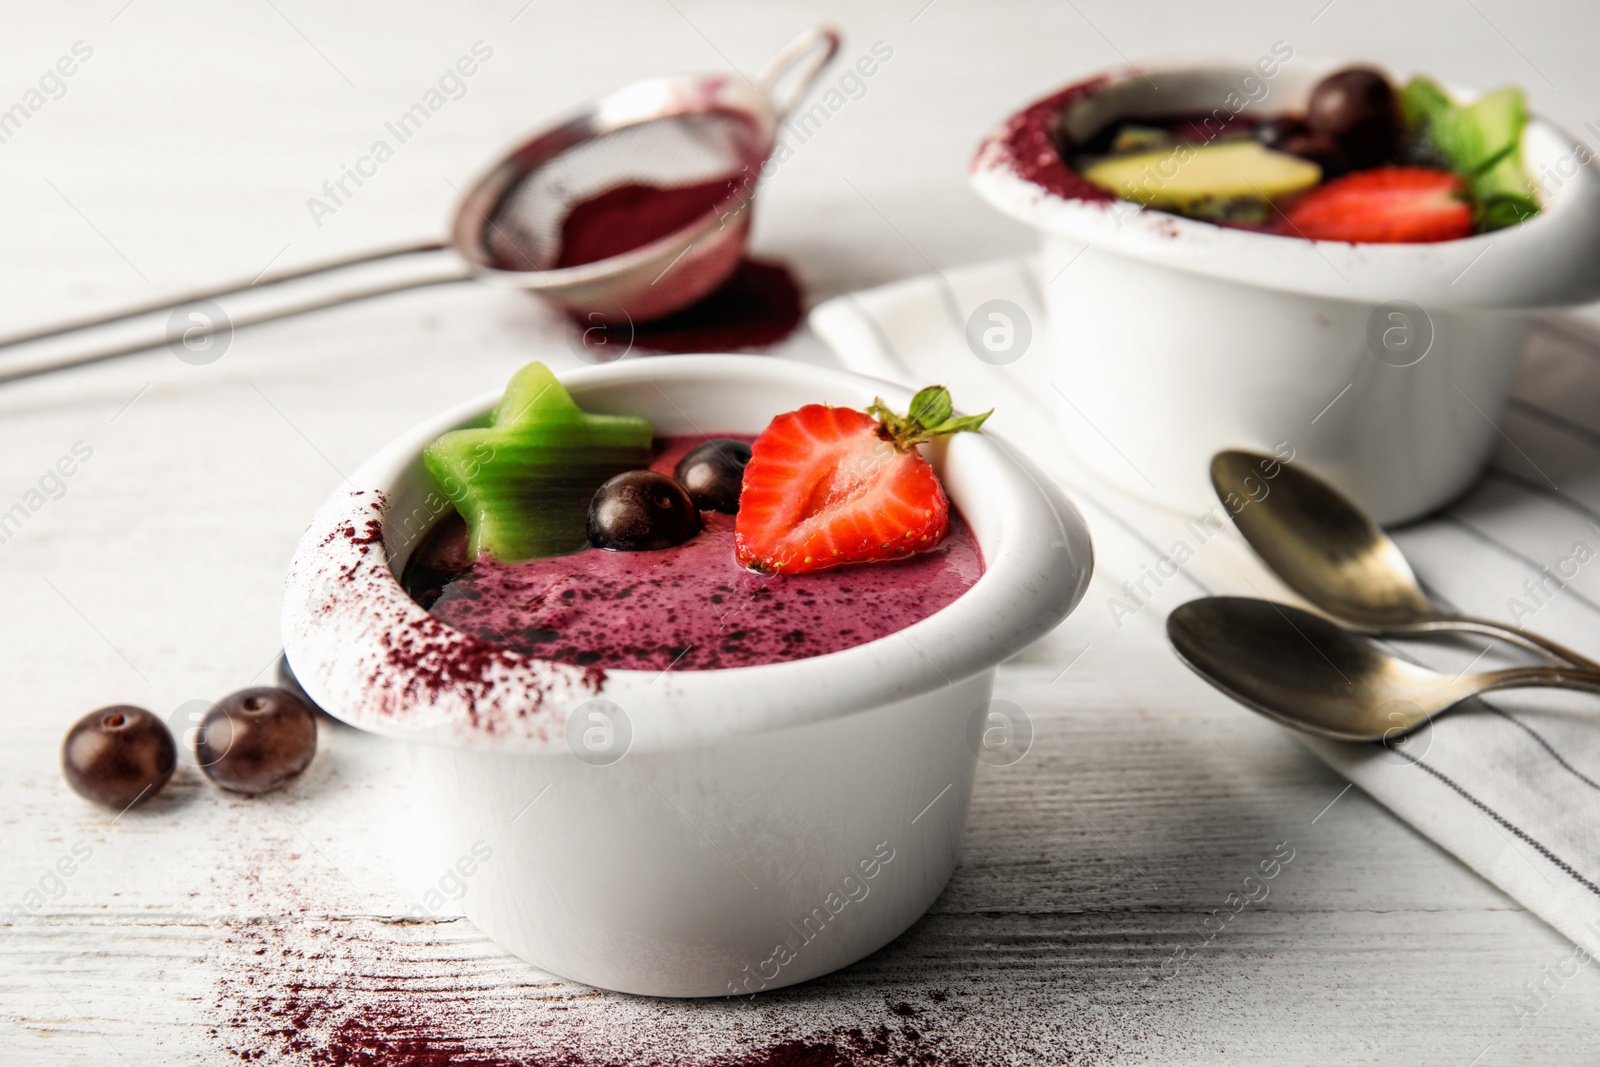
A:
<point x="694" y="607"/>
<point x="1029" y="143"/>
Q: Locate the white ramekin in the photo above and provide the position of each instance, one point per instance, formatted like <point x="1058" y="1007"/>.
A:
<point x="1175" y="339"/>
<point x="765" y="824"/>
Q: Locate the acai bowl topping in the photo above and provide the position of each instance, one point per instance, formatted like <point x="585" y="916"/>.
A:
<point x="1364" y="162"/>
<point x="827" y="530"/>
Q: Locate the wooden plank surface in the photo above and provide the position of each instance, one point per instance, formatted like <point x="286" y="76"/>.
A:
<point x="205" y="928"/>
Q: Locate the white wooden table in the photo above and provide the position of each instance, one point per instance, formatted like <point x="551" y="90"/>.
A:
<point x="203" y="928"/>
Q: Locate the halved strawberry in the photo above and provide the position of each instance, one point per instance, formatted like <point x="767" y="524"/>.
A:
<point x="1384" y="205"/>
<point x="827" y="486"/>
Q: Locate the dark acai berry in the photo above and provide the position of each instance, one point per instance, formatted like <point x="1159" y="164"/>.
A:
<point x="639" y="511"/>
<point x="439" y="559"/>
<point x="255" y="740"/>
<point x="713" y="473"/>
<point x="1356" y="108"/>
<point x="118" y="756"/>
<point x="1288" y="133"/>
<point x="1274" y="131"/>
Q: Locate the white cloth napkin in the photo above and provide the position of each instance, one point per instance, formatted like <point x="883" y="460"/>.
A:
<point x="1510" y="785"/>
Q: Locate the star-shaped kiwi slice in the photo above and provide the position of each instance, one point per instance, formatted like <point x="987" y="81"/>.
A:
<point x="523" y="482"/>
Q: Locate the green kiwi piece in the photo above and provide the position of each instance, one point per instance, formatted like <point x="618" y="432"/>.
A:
<point x="1188" y="177"/>
<point x="523" y="483"/>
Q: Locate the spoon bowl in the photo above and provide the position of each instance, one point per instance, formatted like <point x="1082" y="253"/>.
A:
<point x="1328" y="550"/>
<point x="1318" y="542"/>
<point x="1318" y="677"/>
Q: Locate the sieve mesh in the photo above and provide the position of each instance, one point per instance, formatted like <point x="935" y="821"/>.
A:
<point x="678" y="150"/>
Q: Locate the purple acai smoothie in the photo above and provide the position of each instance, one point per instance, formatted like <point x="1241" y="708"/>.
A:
<point x="691" y="607"/>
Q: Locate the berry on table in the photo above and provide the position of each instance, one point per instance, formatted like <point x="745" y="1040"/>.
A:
<point x="255" y="740"/>
<point x="118" y="756"/>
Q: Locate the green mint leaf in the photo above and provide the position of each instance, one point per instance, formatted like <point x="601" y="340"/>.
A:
<point x="1421" y="101"/>
<point x="1498" y="213"/>
<point x="1483" y="143"/>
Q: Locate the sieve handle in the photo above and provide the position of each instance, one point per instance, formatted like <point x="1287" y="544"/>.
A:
<point x="276" y="307"/>
<point x="791" y="73"/>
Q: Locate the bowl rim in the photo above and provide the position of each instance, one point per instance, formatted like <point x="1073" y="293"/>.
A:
<point x="1551" y="260"/>
<point x="345" y="615"/>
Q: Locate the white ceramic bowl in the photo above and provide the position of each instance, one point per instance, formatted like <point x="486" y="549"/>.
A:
<point x="765" y="824"/>
<point x="1176" y="339"/>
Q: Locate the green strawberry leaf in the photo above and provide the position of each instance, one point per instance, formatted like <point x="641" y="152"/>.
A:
<point x="893" y="423"/>
<point x="962" y="424"/>
<point x="931" y="406"/>
<point x="932" y="415"/>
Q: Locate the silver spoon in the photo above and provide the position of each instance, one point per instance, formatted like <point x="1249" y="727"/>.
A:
<point x="1316" y="676"/>
<point x="1328" y="551"/>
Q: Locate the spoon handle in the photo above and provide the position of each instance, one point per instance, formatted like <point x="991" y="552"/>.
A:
<point x="432" y="266"/>
<point x="177" y="300"/>
<point x="1538" y="678"/>
<point x="1544" y="646"/>
<point x="789" y="74"/>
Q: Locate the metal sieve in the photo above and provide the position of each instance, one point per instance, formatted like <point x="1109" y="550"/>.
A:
<point x="664" y="132"/>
